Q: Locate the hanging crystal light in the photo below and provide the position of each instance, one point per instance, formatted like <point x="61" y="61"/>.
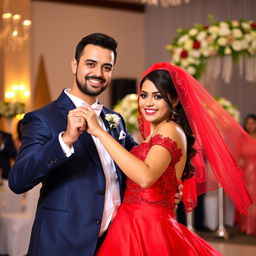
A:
<point x="164" y="3"/>
<point x="13" y="30"/>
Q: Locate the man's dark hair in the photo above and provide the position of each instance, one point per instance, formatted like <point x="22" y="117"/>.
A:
<point x="98" y="39"/>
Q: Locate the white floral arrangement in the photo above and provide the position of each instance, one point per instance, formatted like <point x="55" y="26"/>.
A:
<point x="193" y="45"/>
<point x="113" y="120"/>
<point x="10" y="109"/>
<point x="229" y="107"/>
<point x="128" y="108"/>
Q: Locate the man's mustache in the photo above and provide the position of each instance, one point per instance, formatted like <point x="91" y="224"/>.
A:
<point x="96" y="77"/>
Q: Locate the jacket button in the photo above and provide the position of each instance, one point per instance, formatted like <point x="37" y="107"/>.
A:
<point x="98" y="221"/>
<point x="101" y="192"/>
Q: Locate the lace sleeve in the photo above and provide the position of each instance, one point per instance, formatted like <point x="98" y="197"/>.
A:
<point x="168" y="144"/>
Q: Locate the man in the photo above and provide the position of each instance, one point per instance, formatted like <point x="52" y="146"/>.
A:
<point x="7" y="152"/>
<point x="81" y="185"/>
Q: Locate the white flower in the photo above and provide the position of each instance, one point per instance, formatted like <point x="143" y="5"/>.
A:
<point x="204" y="43"/>
<point x="10" y="110"/>
<point x="128" y="108"/>
<point x="183" y="39"/>
<point x="205" y="51"/>
<point x="191" y="70"/>
<point x="246" y="26"/>
<point x="248" y="37"/>
<point x="188" y="44"/>
<point x="224" y="31"/>
<point x="195" y="53"/>
<point x="253" y="45"/>
<point x="185" y="62"/>
<point x="113" y="120"/>
<point x="224" y="38"/>
<point x="237" y="33"/>
<point x="227" y="51"/>
<point x="244" y="44"/>
<point x="223" y="24"/>
<point x="192" y="31"/>
<point x="214" y="30"/>
<point x="201" y="35"/>
<point x="235" y="23"/>
<point x="237" y="45"/>
<point x="253" y="34"/>
<point x="222" y="41"/>
<point x="192" y="60"/>
<point x="251" y="50"/>
<point x="229" y="107"/>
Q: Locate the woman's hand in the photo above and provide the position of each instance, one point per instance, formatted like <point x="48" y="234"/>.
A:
<point x="93" y="126"/>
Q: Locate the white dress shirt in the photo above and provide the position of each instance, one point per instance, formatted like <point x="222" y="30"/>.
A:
<point x="112" y="193"/>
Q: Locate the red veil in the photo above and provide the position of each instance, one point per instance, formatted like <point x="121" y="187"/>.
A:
<point x="218" y="139"/>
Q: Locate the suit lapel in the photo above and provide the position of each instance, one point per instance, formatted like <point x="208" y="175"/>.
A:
<point x="88" y="144"/>
<point x="65" y="104"/>
<point x="85" y="141"/>
<point x="114" y="132"/>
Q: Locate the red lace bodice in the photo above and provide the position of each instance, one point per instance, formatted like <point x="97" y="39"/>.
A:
<point x="161" y="193"/>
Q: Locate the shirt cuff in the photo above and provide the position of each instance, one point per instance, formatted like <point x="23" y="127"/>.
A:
<point x="68" y="151"/>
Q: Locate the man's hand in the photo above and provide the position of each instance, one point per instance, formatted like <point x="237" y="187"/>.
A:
<point x="76" y="125"/>
<point x="178" y="196"/>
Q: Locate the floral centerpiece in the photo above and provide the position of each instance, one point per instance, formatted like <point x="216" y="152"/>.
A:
<point x="10" y="109"/>
<point x="128" y="108"/>
<point x="229" y="107"/>
<point x="226" y="38"/>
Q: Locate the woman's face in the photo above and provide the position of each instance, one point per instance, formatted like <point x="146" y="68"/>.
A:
<point x="152" y="105"/>
<point x="250" y="125"/>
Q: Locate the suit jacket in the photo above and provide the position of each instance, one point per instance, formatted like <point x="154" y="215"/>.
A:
<point x="71" y="202"/>
<point x="7" y="153"/>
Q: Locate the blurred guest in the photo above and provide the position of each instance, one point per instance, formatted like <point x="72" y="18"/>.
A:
<point x="250" y="124"/>
<point x="247" y="223"/>
<point x="7" y="152"/>
<point x="17" y="141"/>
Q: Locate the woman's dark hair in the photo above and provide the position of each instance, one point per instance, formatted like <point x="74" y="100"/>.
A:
<point x="98" y="39"/>
<point x="164" y="84"/>
<point x="253" y="116"/>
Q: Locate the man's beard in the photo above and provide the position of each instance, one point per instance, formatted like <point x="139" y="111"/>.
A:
<point x="85" y="90"/>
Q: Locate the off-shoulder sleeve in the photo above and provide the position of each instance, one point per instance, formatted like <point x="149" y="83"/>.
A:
<point x="169" y="144"/>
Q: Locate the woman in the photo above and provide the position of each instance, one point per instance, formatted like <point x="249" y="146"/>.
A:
<point x="169" y="110"/>
<point x="247" y="223"/>
<point x="250" y="124"/>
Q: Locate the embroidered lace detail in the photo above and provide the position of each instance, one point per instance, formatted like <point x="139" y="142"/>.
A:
<point x="161" y="193"/>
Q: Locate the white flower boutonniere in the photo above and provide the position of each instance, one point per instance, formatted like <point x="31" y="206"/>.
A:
<point x="113" y="120"/>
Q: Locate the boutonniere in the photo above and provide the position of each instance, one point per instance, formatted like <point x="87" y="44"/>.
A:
<point x="113" y="120"/>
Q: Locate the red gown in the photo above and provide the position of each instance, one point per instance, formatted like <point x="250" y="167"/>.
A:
<point x="145" y="224"/>
<point x="247" y="223"/>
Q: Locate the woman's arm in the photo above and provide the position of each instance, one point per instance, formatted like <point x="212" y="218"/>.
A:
<point x="144" y="173"/>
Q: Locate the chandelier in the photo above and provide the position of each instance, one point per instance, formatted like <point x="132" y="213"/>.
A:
<point x="13" y="29"/>
<point x="164" y="3"/>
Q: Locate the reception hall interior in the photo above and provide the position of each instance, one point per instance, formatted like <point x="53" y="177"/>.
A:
<point x="213" y="40"/>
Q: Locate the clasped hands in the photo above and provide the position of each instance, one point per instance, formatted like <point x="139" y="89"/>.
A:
<point x="84" y="119"/>
<point x="79" y="120"/>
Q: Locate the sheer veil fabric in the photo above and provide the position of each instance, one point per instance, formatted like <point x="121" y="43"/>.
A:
<point x="218" y="139"/>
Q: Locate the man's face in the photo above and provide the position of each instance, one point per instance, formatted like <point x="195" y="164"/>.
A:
<point x="94" y="70"/>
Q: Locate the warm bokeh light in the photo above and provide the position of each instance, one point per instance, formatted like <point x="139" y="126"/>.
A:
<point x="20" y="116"/>
<point x="9" y="94"/>
<point x="18" y="93"/>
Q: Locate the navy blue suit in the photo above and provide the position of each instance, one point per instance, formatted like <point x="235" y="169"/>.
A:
<point x="7" y="153"/>
<point x="71" y="202"/>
